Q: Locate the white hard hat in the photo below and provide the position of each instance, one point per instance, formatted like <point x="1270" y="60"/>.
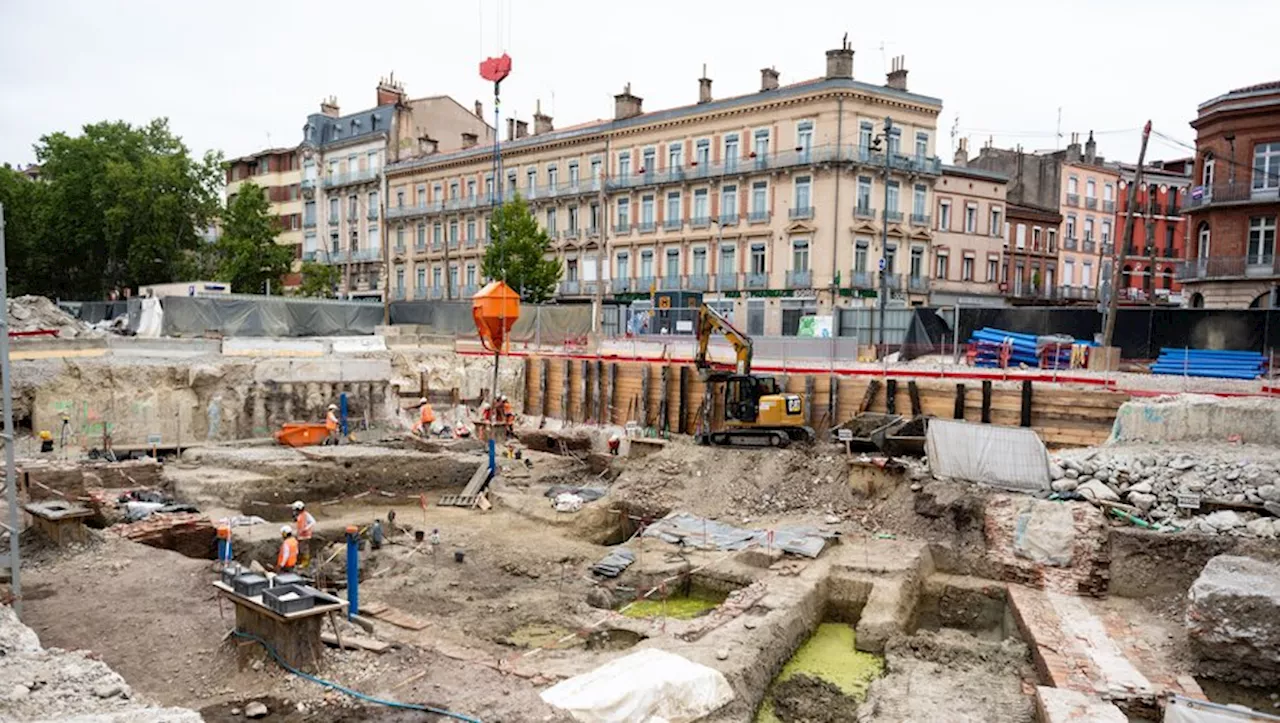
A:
<point x="286" y="530"/>
<point x="422" y="401"/>
<point x="298" y="504"/>
<point x="333" y="406"/>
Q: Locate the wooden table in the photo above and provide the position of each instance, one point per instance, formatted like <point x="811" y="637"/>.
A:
<point x="62" y="522"/>
<point x="295" y="637"/>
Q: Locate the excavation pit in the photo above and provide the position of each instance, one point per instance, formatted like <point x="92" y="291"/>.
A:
<point x="824" y="681"/>
<point x="551" y="636"/>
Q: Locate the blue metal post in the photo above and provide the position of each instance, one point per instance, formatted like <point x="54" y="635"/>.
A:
<point x="493" y="454"/>
<point x="353" y="571"/>
<point x="342" y="413"/>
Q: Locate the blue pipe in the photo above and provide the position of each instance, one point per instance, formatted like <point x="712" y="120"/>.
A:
<point x="342" y="413"/>
<point x="353" y="693"/>
<point x="353" y="571"/>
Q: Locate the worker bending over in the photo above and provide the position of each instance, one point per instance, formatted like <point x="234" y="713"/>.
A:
<point x="426" y="417"/>
<point x="287" y="560"/>
<point x="505" y="416"/>
<point x="331" y="424"/>
<point x="305" y="523"/>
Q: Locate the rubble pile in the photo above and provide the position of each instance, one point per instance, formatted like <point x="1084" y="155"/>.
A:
<point x="1153" y="483"/>
<point x="36" y="313"/>
<point x="1233" y="621"/>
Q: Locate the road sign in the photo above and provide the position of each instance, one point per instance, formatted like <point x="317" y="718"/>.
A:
<point x="882" y="265"/>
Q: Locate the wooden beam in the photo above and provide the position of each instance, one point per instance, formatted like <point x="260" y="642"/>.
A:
<point x="891" y="396"/>
<point x="1026" y="402"/>
<point x="566" y="411"/>
<point x="681" y="425"/>
<point x="959" y="411"/>
<point x="546" y="399"/>
<point x="644" y="395"/>
<point x="869" y="396"/>
<point x="808" y="400"/>
<point x="613" y="391"/>
<point x="913" y="391"/>
<point x="986" y="401"/>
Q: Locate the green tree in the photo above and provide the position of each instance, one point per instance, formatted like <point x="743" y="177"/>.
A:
<point x="25" y="215"/>
<point x="518" y="251"/>
<point x="318" y="280"/>
<point x="248" y="255"/>
<point x="118" y="206"/>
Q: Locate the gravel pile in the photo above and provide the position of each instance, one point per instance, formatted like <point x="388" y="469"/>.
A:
<point x="1152" y="480"/>
<point x="34" y="313"/>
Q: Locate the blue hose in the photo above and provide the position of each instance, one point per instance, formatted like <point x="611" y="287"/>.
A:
<point x="350" y="692"/>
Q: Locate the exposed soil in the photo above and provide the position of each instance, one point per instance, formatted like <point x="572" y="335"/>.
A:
<point x="806" y="699"/>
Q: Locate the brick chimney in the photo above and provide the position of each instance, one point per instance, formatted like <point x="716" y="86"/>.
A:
<point x="469" y="140"/>
<point x="511" y="129"/>
<point x="1073" y="149"/>
<point x="389" y="91"/>
<point x="768" y="79"/>
<point x="962" y="153"/>
<point x="626" y="105"/>
<point x="897" y="75"/>
<point x="1090" y="150"/>
<point x="522" y="129"/>
<point x="704" y="86"/>
<point x="840" y="60"/>
<point x="479" y="110"/>
<point x="329" y="107"/>
<point x="541" y="122"/>
<point x="427" y="145"/>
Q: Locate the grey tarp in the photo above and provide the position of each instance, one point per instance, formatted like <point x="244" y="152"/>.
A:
<point x="1186" y="710"/>
<point x="91" y="312"/>
<point x="552" y="324"/>
<point x="267" y="316"/>
<point x="440" y="317"/>
<point x="612" y="565"/>
<point x="684" y="528"/>
<point x="1008" y="457"/>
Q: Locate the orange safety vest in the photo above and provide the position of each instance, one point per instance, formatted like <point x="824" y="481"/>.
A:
<point x="331" y="421"/>
<point x="427" y="415"/>
<point x="305" y="525"/>
<point x="288" y="557"/>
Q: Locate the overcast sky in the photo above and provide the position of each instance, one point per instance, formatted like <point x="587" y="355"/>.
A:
<point x="239" y="76"/>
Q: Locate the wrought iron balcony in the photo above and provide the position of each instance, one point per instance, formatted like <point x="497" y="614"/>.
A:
<point x="727" y="281"/>
<point x="472" y="242"/>
<point x="728" y="219"/>
<point x="891" y="281"/>
<point x="1108" y="206"/>
<point x="647" y="226"/>
<point x="621" y="286"/>
<point x="437" y="292"/>
<point x="1091" y="203"/>
<point x="672" y="224"/>
<point x="621" y="228"/>
<point x="918" y="284"/>
<point x="399" y="293"/>
<point x="671" y="283"/>
<point x="335" y="180"/>
<point x="1073" y="199"/>
<point x="757" y="281"/>
<point x="862" y="211"/>
<point x="309" y="222"/>
<point x="571" y="234"/>
<point x="893" y="216"/>
<point x="1069" y="243"/>
<point x="702" y="221"/>
<point x="309" y="255"/>
<point x="645" y="284"/>
<point x="800" y="279"/>
<point x="919" y="219"/>
<point x="420" y="292"/>
<point x="372" y="215"/>
<point x="698" y="282"/>
<point x="1090" y="246"/>
<point x="1229" y="193"/>
<point x="861" y="280"/>
<point x="801" y="212"/>
<point x="366" y="255"/>
<point x="569" y="287"/>
<point x="758" y="217"/>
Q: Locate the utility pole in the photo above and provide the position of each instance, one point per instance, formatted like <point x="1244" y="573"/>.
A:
<point x="884" y="232"/>
<point x="10" y="481"/>
<point x="1114" y="302"/>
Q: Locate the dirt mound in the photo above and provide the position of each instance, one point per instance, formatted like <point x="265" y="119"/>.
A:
<point x="720" y="482"/>
<point x="35" y="313"/>
<point x="806" y="699"/>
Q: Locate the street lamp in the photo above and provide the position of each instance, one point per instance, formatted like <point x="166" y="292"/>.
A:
<point x="884" y="222"/>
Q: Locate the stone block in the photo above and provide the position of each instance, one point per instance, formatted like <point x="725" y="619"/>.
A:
<point x="1061" y="705"/>
<point x="1233" y="621"/>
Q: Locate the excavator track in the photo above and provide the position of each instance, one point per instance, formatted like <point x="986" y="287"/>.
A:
<point x="759" y="437"/>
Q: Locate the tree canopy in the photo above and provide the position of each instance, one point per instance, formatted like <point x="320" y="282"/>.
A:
<point x="517" y="253"/>
<point x="116" y="206"/>
<point x="248" y="255"/>
<point x="318" y="280"/>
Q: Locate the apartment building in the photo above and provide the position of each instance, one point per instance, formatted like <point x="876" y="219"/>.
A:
<point x="1233" y="211"/>
<point x="969" y="214"/>
<point x="769" y="201"/>
<point x="1149" y="262"/>
<point x="1088" y="207"/>
<point x="279" y="173"/>
<point x="343" y="158"/>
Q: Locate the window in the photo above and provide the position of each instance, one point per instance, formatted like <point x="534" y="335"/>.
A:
<point x="922" y="145"/>
<point x="573" y="219"/>
<point x="531" y="180"/>
<point x="646" y="210"/>
<point x="700" y="205"/>
<point x="860" y="248"/>
<point x="727" y="263"/>
<point x="553" y="176"/>
<point x="1088" y="230"/>
<point x="624" y="213"/>
<point x="333" y="209"/>
<point x="1086" y="275"/>
<point x="373" y="162"/>
<point x="702" y="152"/>
<point x="375" y="240"/>
<point x="673" y="209"/>
<point x="309" y="213"/>
<point x="437" y="234"/>
<point x="333" y="168"/>
<point x="488" y="186"/>
<point x="1206" y="175"/>
<point x="1106" y="232"/>
<point x="895" y="141"/>
<point x="453" y="191"/>
<point x="1068" y="272"/>
<point x="761" y="148"/>
<point x="422" y="235"/>
<point x="471" y="189"/>
<point x="594" y="221"/>
<point x="353" y="164"/>
<point x="511" y="183"/>
<point x="1090" y="188"/>
<point x="971" y="218"/>
<point x="373" y="204"/>
<point x="1262" y="239"/>
<point x="1073" y="186"/>
<point x="399" y="198"/>
<point x="1035" y="238"/>
<point x="800" y="254"/>
<point x="944" y="215"/>
<point x="673" y="264"/>
<point x="757" y="259"/>
<point x="646" y="264"/>
<point x="422" y="278"/>
<point x="551" y="222"/>
<point x="1053" y="240"/>
<point x="941" y="265"/>
<point x="471" y="229"/>
<point x="453" y="233"/>
<point x="675" y="156"/>
<point x="731" y="150"/>
<point x="993" y="269"/>
<point x="596" y="169"/>
<point x="1266" y="166"/>
<point x="892" y="197"/>
<point x="573" y="174"/>
<point x="996" y="224"/>
<point x="759" y="190"/>
<point x="917" y="200"/>
<point x="1020" y="235"/>
<point x="804" y="138"/>
<point x="802" y="192"/>
<point x="649" y="159"/>
<point x="623" y="265"/>
<point x="436" y="277"/>
<point x="624" y="164"/>
<point x="399" y="238"/>
<point x="1202" y="247"/>
<point x="890" y="256"/>
<point x="1108" y="192"/>
<point x="699" y="262"/>
<point x="966" y="268"/>
<point x="866" y="133"/>
<point x="729" y="202"/>
<point x="864" y="195"/>
<point x="353" y="207"/>
<point x="1071" y="228"/>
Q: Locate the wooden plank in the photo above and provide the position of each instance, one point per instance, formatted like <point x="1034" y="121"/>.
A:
<point x="1026" y="403"/>
<point x="399" y="618"/>
<point x="542" y="384"/>
<point x="565" y="409"/>
<point x="869" y="396"/>
<point x="959" y="408"/>
<point x="644" y="395"/>
<point x="986" y="401"/>
<point x="890" y="396"/>
<point x="372" y="607"/>
<point x="681" y="420"/>
<point x="359" y="642"/>
<point x="914" y="392"/>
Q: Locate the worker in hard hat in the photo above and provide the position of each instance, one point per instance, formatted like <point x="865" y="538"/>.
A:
<point x="331" y="424"/>
<point x="426" y="417"/>
<point x="486" y="421"/>
<point x="615" y="443"/>
<point x="305" y="524"/>
<point x="506" y="417"/>
<point x="287" y="560"/>
<point x="46" y="441"/>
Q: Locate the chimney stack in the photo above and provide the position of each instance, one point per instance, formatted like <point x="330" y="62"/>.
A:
<point x="897" y="76"/>
<point x="1073" y="149"/>
<point x="541" y="123"/>
<point x="329" y="107"/>
<point x="1090" y="150"/>
<point x="522" y="129"/>
<point x="389" y="91"/>
<point x="469" y="140"/>
<point x="962" y="153"/>
<point x="768" y="79"/>
<point x="840" y="60"/>
<point x="427" y="145"/>
<point x="479" y="110"/>
<point x="704" y="86"/>
<point x="511" y="129"/>
<point x="626" y="105"/>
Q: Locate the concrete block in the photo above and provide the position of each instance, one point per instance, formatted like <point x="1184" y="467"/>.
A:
<point x="887" y="613"/>
<point x="353" y="344"/>
<point x="251" y="346"/>
<point x="1233" y="621"/>
<point x="1061" y="705"/>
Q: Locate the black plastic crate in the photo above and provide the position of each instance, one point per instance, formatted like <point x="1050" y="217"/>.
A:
<point x="272" y="597"/>
<point x="249" y="584"/>
<point x="289" y="578"/>
<point x="231" y="571"/>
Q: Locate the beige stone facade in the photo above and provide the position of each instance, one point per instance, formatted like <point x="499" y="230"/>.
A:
<point x="970" y="212"/>
<point x="1088" y="233"/>
<point x="764" y="196"/>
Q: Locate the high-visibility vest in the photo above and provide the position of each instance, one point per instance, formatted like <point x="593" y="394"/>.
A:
<point x="427" y="415"/>
<point x="288" y="556"/>
<point x="305" y="524"/>
<point x="331" y="421"/>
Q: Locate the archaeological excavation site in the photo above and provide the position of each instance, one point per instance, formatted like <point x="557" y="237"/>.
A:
<point x="367" y="528"/>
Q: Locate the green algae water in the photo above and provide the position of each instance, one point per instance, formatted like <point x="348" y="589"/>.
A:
<point x="542" y="635"/>
<point x="829" y="656"/>
<point x="679" y="607"/>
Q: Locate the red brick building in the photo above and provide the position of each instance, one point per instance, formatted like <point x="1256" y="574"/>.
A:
<point x="1159" y="233"/>
<point x="1233" y="208"/>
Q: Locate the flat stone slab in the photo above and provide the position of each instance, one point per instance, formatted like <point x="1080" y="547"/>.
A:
<point x="1060" y="705"/>
<point x="1233" y="620"/>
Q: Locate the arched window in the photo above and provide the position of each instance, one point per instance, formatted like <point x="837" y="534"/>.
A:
<point x="1206" y="176"/>
<point x="1202" y="240"/>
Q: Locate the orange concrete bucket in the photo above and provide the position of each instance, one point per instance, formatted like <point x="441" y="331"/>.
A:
<point x="495" y="309"/>
<point x="301" y="434"/>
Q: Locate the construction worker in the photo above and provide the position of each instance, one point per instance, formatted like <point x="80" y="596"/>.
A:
<point x="505" y="416"/>
<point x="486" y="421"/>
<point x="305" y="523"/>
<point x="426" y="417"/>
<point x="46" y="441"/>
<point x="615" y="443"/>
<point x="331" y="424"/>
<point x="287" y="560"/>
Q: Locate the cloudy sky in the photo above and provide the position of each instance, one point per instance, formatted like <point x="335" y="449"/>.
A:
<point x="238" y="76"/>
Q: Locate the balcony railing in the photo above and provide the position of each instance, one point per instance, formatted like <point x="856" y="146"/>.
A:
<point x="333" y="220"/>
<point x="700" y="221"/>
<point x="1091" y="203"/>
<point x="728" y="219"/>
<point x="1221" y="193"/>
<point x="647" y="226"/>
<point x="757" y="281"/>
<point x="309" y="255"/>
<point x="366" y="255"/>
<point x="1069" y="243"/>
<point x="1107" y="248"/>
<point x="399" y="293"/>
<point x="919" y="219"/>
<point x="472" y="242"/>
<point x="801" y="212"/>
<point x="800" y="279"/>
<point x="1073" y="199"/>
<point x="698" y="282"/>
<point x="569" y="287"/>
<point x="309" y="222"/>
<point x="1108" y="206"/>
<point x="918" y="284"/>
<point x="672" y="224"/>
<point x="670" y="283"/>
<point x="861" y="211"/>
<point x="308" y="184"/>
<point x="571" y="234"/>
<point x="727" y="281"/>
<point x="334" y="180"/>
<point x="420" y="292"/>
<point x="621" y="286"/>
<point x="621" y="228"/>
<point x="891" y="281"/>
<point x="437" y="292"/>
<point x="893" y="216"/>
<point x="372" y="215"/>
<point x="1086" y="293"/>
<point x="758" y="217"/>
<point x="644" y="284"/>
<point x="861" y="280"/>
<point x="1089" y="246"/>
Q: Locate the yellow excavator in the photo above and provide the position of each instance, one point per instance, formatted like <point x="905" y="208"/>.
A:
<point x="757" y="413"/>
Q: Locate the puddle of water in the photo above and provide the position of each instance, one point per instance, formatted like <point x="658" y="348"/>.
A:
<point x="696" y="602"/>
<point x="613" y="639"/>
<point x="542" y="635"/>
<point x="829" y="656"/>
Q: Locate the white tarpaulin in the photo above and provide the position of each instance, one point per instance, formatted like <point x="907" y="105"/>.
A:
<point x="150" y="319"/>
<point x="647" y="686"/>
<point x="1008" y="457"/>
<point x="1185" y="710"/>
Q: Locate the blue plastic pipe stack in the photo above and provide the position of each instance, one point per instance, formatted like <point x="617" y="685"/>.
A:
<point x="1023" y="351"/>
<point x="1210" y="363"/>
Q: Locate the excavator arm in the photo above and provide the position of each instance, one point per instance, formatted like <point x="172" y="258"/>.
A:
<point x="711" y="321"/>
